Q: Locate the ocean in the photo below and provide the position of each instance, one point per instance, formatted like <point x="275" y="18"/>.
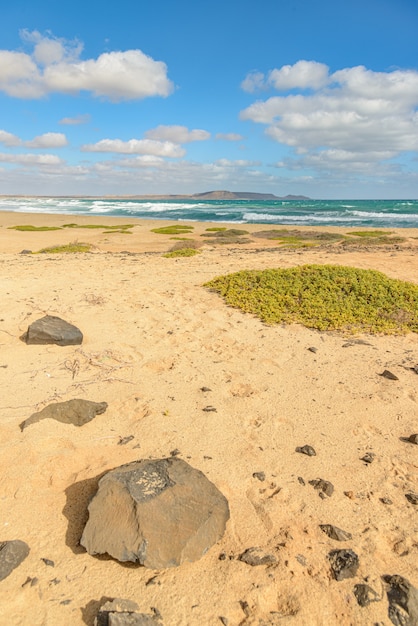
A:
<point x="357" y="213"/>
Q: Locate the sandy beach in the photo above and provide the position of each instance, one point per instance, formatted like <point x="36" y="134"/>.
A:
<point x="154" y="337"/>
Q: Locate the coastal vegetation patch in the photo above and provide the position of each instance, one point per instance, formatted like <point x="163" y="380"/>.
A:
<point x="298" y="238"/>
<point x="75" y="246"/>
<point x="113" y="227"/>
<point x="30" y="228"/>
<point x="228" y="235"/>
<point x="175" y="229"/>
<point x="216" y="229"/>
<point x="324" y="297"/>
<point x="181" y="252"/>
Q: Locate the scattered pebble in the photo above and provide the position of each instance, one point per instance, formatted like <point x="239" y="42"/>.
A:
<point x="256" y="556"/>
<point x="412" y="497"/>
<point x="209" y="409"/>
<point x="385" y="500"/>
<point x="389" y="375"/>
<point x="344" y="564"/>
<point x="334" y="532"/>
<point x="124" y="440"/>
<point x="368" y="458"/>
<point x="413" y="439"/>
<point x="313" y="349"/>
<point x="365" y="594"/>
<point x="323" y="486"/>
<point x="175" y="452"/>
<point x="260" y="476"/>
<point x="205" y="389"/>
<point x="48" y="562"/>
<point x="308" y="450"/>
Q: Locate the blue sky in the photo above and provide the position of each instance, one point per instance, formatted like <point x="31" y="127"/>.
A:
<point x="300" y="97"/>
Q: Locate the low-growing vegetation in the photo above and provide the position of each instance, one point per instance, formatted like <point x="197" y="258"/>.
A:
<point x="113" y="227"/>
<point x="30" y="228"/>
<point x="325" y="297"/>
<point x="175" y="229"/>
<point x="181" y="252"/>
<point x="68" y="247"/>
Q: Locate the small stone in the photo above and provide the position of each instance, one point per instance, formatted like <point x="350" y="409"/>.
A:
<point x="301" y="559"/>
<point x="403" y="601"/>
<point x="12" y="553"/>
<point x="385" y="500"/>
<point x="308" y="450"/>
<point x="205" y="389"/>
<point x="412" y="497"/>
<point x="48" y="562"/>
<point x="369" y="457"/>
<point x="313" y="349"/>
<point x="52" y="329"/>
<point x="25" y="251"/>
<point x="323" y="486"/>
<point x="209" y="409"/>
<point x="256" y="556"/>
<point x="77" y="412"/>
<point x="124" y="440"/>
<point x="344" y="564"/>
<point x="301" y="481"/>
<point x="365" y="595"/>
<point x="389" y="375"/>
<point x="120" y="612"/>
<point x="413" y="439"/>
<point x="260" y="476"/>
<point x="175" y="452"/>
<point x="334" y="532"/>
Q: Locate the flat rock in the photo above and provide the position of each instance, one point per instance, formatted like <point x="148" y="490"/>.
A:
<point x="403" y="601"/>
<point x="119" y="612"/>
<point x="159" y="513"/>
<point x="12" y="553"/>
<point x="323" y="486"/>
<point x="77" y="412"/>
<point x="389" y="375"/>
<point x="308" y="450"/>
<point x="335" y="533"/>
<point x="257" y="556"/>
<point x="52" y="329"/>
<point x="344" y="564"/>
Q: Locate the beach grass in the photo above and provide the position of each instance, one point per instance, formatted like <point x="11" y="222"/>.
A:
<point x="174" y="229"/>
<point x="324" y="297"/>
<point x="113" y="227"/>
<point x="75" y="246"/>
<point x="30" y="228"/>
<point x="181" y="252"/>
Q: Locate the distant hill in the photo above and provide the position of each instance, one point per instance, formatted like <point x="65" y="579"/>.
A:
<point x="243" y="195"/>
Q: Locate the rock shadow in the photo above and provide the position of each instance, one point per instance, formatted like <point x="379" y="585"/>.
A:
<point x="89" y="612"/>
<point x="75" y="510"/>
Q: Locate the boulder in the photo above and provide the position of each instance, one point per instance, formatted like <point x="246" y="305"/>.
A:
<point x="403" y="601"/>
<point x="52" y="329"/>
<point x="12" y="553"/>
<point x="77" y="412"/>
<point x="119" y="612"/>
<point x="159" y="513"/>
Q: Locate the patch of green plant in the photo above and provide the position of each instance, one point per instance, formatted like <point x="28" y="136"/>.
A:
<point x="297" y="242"/>
<point x="29" y="228"/>
<point x="180" y="238"/>
<point x="325" y="297"/>
<point x="216" y="229"/>
<point x="121" y="232"/>
<point x="182" y="252"/>
<point x="175" y="229"/>
<point x="374" y="240"/>
<point x="227" y="232"/>
<point x="284" y="234"/>
<point x="116" y="227"/>
<point x="370" y="233"/>
<point x="65" y="248"/>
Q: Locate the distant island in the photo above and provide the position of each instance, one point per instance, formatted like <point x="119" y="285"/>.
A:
<point x="244" y="195"/>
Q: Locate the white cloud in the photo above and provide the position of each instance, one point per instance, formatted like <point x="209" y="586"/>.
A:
<point x="55" y="66"/>
<point x="74" y="121"/>
<point x="229" y="137"/>
<point x="31" y="159"/>
<point x="48" y="140"/>
<point x="254" y="81"/>
<point x="237" y="163"/>
<point x="136" y="146"/>
<point x="368" y="115"/>
<point x="9" y="140"/>
<point x="177" y="134"/>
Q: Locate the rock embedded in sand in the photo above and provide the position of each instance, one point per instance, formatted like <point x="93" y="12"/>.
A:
<point x="403" y="601"/>
<point x="308" y="450"/>
<point x="12" y="553"/>
<point x="77" y="412"/>
<point x="344" y="564"/>
<point x="120" y="612"/>
<point x="413" y="438"/>
<point x="334" y="532"/>
<point x="159" y="513"/>
<point x="365" y="595"/>
<point x="53" y="330"/>
<point x="412" y="497"/>
<point x="389" y="375"/>
<point x="256" y="556"/>
<point x="324" y="487"/>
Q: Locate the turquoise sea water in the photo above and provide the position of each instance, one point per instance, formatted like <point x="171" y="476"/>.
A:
<point x="374" y="213"/>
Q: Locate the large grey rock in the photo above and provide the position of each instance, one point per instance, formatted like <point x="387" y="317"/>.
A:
<point x="12" y="553"/>
<point x="77" y="412"/>
<point x="403" y="601"/>
<point x="158" y="513"/>
<point x="119" y="612"/>
<point x="52" y="329"/>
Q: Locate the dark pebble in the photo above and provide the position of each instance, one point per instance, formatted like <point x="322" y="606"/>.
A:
<point x="389" y="375"/>
<point x="48" y="562"/>
<point x="260" y="476"/>
<point x="365" y="594"/>
<point x="369" y="457"/>
<point x="385" y="500"/>
<point x="334" y="532"/>
<point x="308" y="450"/>
<point x="209" y="409"/>
<point x="344" y="564"/>
<point x="12" y="553"/>
<point x="413" y="438"/>
<point x="124" y="440"/>
<point x="412" y="497"/>
<point x="313" y="349"/>
<point x="256" y="556"/>
<point x="175" y="452"/>
<point x="205" y="389"/>
<point x="324" y="487"/>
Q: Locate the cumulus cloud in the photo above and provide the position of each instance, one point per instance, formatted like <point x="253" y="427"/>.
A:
<point x="354" y="114"/>
<point x="229" y="137"/>
<point x="177" y="134"/>
<point x="48" y="140"/>
<point x="74" y="121"/>
<point x="54" y="66"/>
<point x="30" y="159"/>
<point x="8" y="139"/>
<point x="136" y="146"/>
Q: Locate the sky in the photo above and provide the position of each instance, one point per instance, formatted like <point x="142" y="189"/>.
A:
<point x="310" y="97"/>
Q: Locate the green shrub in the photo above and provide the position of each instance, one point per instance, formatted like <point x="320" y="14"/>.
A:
<point x="29" y="228"/>
<point x="175" y="229"/>
<point x="65" y="248"/>
<point x="182" y="252"/>
<point x="325" y="297"/>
